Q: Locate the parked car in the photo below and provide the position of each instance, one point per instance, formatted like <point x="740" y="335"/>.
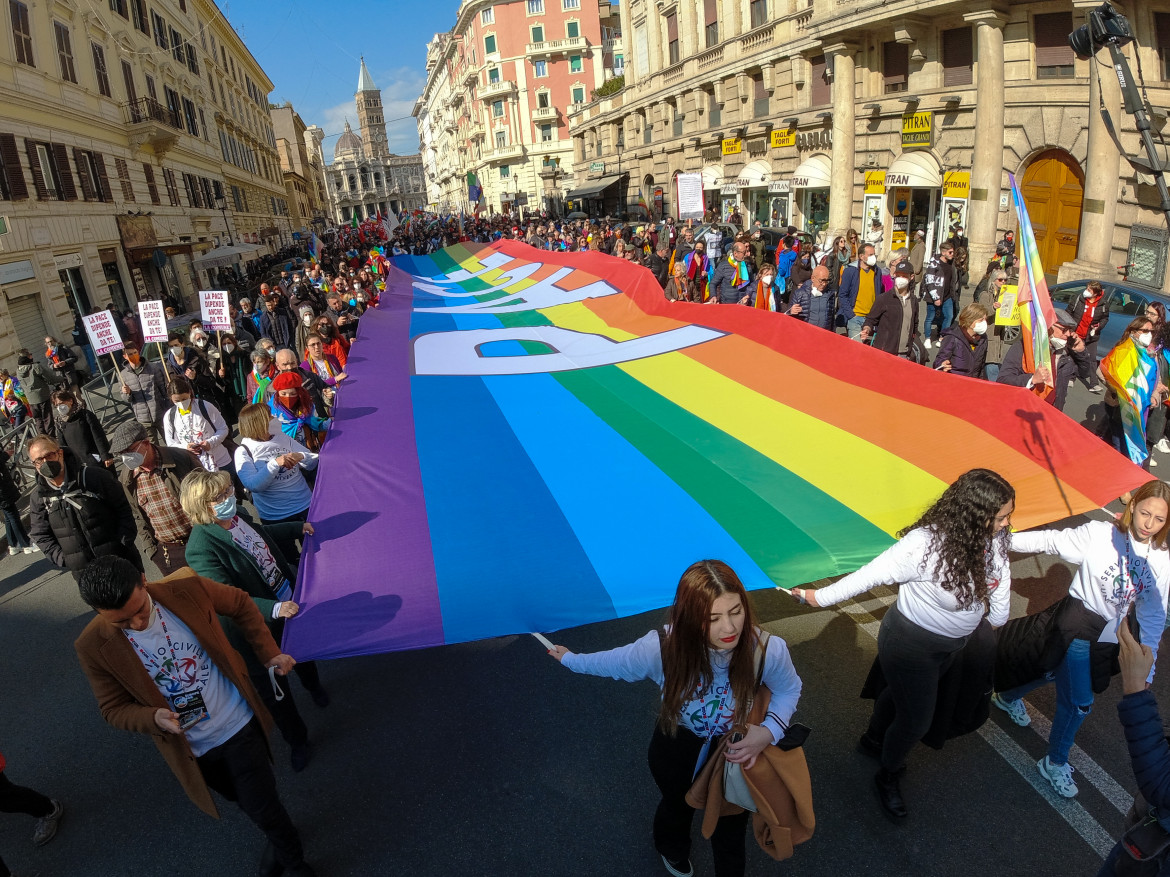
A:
<point x="729" y="232"/>
<point x="1125" y="303"/>
<point x="772" y="237"/>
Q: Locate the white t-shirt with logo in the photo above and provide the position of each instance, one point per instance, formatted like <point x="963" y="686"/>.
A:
<point x="183" y="665"/>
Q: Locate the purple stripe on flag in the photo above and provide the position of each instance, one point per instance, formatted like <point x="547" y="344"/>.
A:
<point x="368" y="507"/>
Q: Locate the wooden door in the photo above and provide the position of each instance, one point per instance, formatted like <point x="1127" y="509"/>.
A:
<point x="1053" y="188"/>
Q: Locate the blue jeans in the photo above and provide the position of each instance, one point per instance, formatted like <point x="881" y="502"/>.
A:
<point x="1074" y="698"/>
<point x="14" y="529"/>
<point x="991" y="371"/>
<point x="946" y="314"/>
<point x="853" y="327"/>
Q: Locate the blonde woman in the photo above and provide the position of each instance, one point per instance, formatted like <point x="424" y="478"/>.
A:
<point x="272" y="466"/>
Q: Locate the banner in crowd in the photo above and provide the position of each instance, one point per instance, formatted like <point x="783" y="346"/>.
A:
<point x="103" y="334"/>
<point x="153" y="317"/>
<point x="214" y="310"/>
<point x="530" y="441"/>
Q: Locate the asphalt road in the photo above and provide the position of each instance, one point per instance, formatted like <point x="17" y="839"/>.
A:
<point x="491" y="759"/>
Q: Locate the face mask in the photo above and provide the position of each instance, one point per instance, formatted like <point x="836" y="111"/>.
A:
<point x="184" y="405"/>
<point x="1144" y="338"/>
<point x="352" y="302"/>
<point x="228" y="348"/>
<point x="871" y="261"/>
<point x="132" y="459"/>
<point x="307" y="319"/>
<point x="51" y="469"/>
<point x="271" y="351"/>
<point x="132" y="358"/>
<point x="226" y="510"/>
<point x="901" y="283"/>
<point x="200" y="342"/>
<point x="1058" y="343"/>
<point x="980" y="327"/>
<point x="767" y="279"/>
<point x="61" y="409"/>
<point x="817" y="291"/>
<point x="1087" y="294"/>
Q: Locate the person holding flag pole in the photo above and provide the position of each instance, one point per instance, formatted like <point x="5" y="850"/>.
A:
<point x="1034" y="304"/>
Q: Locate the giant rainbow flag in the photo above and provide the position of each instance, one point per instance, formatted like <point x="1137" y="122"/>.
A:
<point x="530" y="441"/>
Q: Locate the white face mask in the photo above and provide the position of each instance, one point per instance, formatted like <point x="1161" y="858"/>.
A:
<point x="871" y="260"/>
<point x="307" y="319"/>
<point x="200" y="341"/>
<point x="1144" y="338"/>
<point x="901" y="283"/>
<point x="1087" y="294"/>
<point x="1058" y="344"/>
<point x="767" y="279"/>
<point x="228" y="348"/>
<point x="61" y="409"/>
<point x="980" y="327"/>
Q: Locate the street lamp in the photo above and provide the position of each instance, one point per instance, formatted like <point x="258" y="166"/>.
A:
<point x="221" y="205"/>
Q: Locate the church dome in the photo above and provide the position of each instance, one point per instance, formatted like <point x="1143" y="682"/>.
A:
<point x="348" y="143"/>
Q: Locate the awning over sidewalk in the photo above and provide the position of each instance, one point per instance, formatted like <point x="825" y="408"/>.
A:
<point x="593" y="189"/>
<point x="222" y="256"/>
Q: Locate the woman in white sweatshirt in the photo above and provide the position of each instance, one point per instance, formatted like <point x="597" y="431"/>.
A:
<point x="272" y="466"/>
<point x="704" y="662"/>
<point x="1120" y="565"/>
<point x="952" y="566"/>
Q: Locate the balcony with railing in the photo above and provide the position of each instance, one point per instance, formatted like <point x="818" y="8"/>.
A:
<point x="470" y="76"/>
<point x="611" y="45"/>
<point x="476" y="131"/>
<point x="511" y="152"/>
<point x="494" y="90"/>
<point x="149" y="123"/>
<point x="544" y="114"/>
<point x="556" y="47"/>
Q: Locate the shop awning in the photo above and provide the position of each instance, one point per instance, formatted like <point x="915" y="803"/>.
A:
<point x="813" y="173"/>
<point x="915" y="170"/>
<point x="592" y="189"/>
<point x="757" y="173"/>
<point x="712" y="177"/>
<point x="222" y="256"/>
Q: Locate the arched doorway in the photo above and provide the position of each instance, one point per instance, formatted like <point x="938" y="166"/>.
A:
<point x="1053" y="187"/>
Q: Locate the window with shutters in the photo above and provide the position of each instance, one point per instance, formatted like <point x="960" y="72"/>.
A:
<point x="1162" y="41"/>
<point x="895" y="67"/>
<point x="21" y="32"/>
<point x="172" y="187"/>
<point x="821" y="92"/>
<point x="190" y="116"/>
<point x="546" y="133"/>
<point x="138" y="13"/>
<point x="540" y="69"/>
<point x="537" y="33"/>
<point x="489" y="44"/>
<point x="124" y="179"/>
<point x="711" y="19"/>
<point x="205" y="188"/>
<point x="150" y="89"/>
<point x="575" y="64"/>
<point x="99" y="70"/>
<point x="759" y="13"/>
<point x="64" y="52"/>
<point x="151" y="186"/>
<point x="192" y="59"/>
<point x="203" y="125"/>
<point x="176" y="108"/>
<point x="119" y="6"/>
<point x="1054" y="56"/>
<point x="672" y="38"/>
<point x="958" y="57"/>
<point x="128" y="82"/>
<point x="160" y="29"/>
<point x="44" y="168"/>
<point x="12" y="177"/>
<point x="94" y="186"/>
<point x="714" y="112"/>
<point x="572" y="29"/>
<point x="177" y="49"/>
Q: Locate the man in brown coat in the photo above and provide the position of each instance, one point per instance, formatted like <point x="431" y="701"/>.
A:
<point x="159" y="664"/>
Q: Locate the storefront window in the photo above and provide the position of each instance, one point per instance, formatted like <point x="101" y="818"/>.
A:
<point x="74" y="285"/>
<point x="816" y="210"/>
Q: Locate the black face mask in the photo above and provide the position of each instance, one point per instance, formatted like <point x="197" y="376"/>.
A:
<point x="50" y="469"/>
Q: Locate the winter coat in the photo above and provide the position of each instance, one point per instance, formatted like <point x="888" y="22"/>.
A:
<point x="885" y="321"/>
<point x="9" y="492"/>
<point x="939" y="278"/>
<point x="276" y="326"/>
<point x="723" y="284"/>
<point x="148" y="391"/>
<point x="1069" y="365"/>
<point x="82" y="433"/>
<point x="850" y="285"/>
<point x="1034" y="645"/>
<point x="88" y="518"/>
<point x="1149" y="751"/>
<point x="816" y="310"/>
<point x="1100" y="316"/>
<point x="965" y="358"/>
<point x="36" y="384"/>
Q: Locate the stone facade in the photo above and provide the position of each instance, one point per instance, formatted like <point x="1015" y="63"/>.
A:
<point x="304" y="179"/>
<point x="828" y="113"/>
<point x="365" y="177"/>
<point x="113" y="152"/>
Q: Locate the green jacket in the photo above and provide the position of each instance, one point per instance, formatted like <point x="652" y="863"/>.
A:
<point x="213" y="554"/>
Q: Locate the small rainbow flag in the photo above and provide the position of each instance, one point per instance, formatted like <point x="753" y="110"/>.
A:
<point x="557" y="443"/>
<point x="1035" y="305"/>
<point x="1133" y="374"/>
<point x="314" y="248"/>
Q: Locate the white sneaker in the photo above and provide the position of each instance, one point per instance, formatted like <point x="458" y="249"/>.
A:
<point x="29" y="550"/>
<point x="1163" y="446"/>
<point x="1153" y="462"/>
<point x="1015" y="709"/>
<point x="1060" y="775"/>
<point x="12" y="551"/>
<point x="676" y="868"/>
<point x="926" y="342"/>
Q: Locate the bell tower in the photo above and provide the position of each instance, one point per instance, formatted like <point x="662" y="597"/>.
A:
<point x="370" y="118"/>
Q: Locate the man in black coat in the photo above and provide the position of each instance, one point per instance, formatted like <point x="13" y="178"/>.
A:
<point x="1070" y="360"/>
<point x="658" y="262"/>
<point x="78" y="513"/>
<point x="893" y="319"/>
<point x="734" y="280"/>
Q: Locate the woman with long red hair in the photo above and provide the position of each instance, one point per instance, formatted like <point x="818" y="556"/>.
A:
<point x="704" y="662"/>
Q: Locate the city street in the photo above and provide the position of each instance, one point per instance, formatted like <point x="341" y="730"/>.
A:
<point x="489" y="758"/>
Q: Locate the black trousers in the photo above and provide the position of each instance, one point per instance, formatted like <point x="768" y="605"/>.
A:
<point x="18" y="799"/>
<point x="672" y="763"/>
<point x="239" y="770"/>
<point x="285" y="714"/>
<point x="913" y="660"/>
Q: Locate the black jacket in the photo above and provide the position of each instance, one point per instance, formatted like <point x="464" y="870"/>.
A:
<point x="965" y="358"/>
<point x="1034" y="645"/>
<point x="1100" y="316"/>
<point x="82" y="433"/>
<point x="723" y="283"/>
<point x="1069" y="365"/>
<point x="9" y="492"/>
<point x="658" y="266"/>
<point x="885" y="321"/>
<point x="88" y="518"/>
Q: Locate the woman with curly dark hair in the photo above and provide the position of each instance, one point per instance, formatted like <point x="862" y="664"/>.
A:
<point x="1123" y="568"/>
<point x="704" y="662"/>
<point x="952" y="564"/>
